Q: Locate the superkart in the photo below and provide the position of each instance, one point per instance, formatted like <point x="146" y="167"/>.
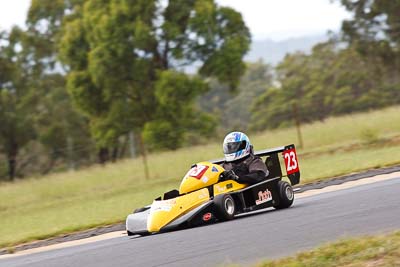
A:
<point x="203" y="198"/>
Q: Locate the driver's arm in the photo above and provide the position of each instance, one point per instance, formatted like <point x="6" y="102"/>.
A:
<point x="257" y="172"/>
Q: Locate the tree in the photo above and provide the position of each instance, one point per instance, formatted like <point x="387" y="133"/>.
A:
<point x="175" y="113"/>
<point x="234" y="110"/>
<point x="61" y="130"/>
<point x="124" y="56"/>
<point x="34" y="105"/>
<point x="374" y="31"/>
<point x="372" y="21"/>
<point x="16" y="98"/>
<point x="331" y="80"/>
<point x="59" y="125"/>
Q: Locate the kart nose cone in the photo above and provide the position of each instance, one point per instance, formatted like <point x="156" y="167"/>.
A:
<point x="137" y="222"/>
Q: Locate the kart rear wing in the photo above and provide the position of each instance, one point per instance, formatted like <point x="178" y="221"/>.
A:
<point x="273" y="163"/>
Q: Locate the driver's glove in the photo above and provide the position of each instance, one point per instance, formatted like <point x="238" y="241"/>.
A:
<point x="229" y="175"/>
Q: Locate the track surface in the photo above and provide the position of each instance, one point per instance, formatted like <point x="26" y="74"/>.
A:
<point x="314" y="220"/>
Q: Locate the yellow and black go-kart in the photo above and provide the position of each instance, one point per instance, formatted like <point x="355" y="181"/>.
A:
<point x="203" y="198"/>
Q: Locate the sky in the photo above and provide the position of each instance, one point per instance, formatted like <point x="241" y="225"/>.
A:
<point x="267" y="19"/>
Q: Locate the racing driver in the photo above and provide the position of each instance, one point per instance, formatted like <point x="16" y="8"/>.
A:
<point x="240" y="163"/>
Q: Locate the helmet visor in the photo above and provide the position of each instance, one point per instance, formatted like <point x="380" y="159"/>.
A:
<point x="234" y="147"/>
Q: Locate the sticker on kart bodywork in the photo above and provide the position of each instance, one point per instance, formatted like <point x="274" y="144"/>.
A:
<point x="264" y="196"/>
<point x="197" y="171"/>
<point x="219" y="188"/>
<point x="207" y="216"/>
<point x="165" y="205"/>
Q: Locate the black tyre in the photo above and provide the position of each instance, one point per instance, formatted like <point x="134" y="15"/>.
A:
<point x="140" y="234"/>
<point x="225" y="207"/>
<point x="286" y="195"/>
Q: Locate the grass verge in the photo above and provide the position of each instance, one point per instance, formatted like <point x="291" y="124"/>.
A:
<point x="40" y="207"/>
<point x="376" y="251"/>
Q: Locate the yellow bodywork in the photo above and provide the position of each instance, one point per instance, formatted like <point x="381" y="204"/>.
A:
<point x="227" y="186"/>
<point x="163" y="212"/>
<point x="202" y="175"/>
<point x="193" y="191"/>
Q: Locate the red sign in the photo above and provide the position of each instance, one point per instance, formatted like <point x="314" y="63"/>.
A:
<point x="292" y="165"/>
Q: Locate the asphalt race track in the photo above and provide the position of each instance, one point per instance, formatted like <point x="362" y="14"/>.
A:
<point x="312" y="221"/>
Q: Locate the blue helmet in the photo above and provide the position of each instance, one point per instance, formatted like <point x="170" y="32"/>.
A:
<point x="236" y="146"/>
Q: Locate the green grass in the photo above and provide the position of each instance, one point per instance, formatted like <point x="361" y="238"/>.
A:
<point x="375" y="251"/>
<point x="39" y="207"/>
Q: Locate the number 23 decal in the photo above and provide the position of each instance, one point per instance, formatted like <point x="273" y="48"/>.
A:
<point x="291" y="161"/>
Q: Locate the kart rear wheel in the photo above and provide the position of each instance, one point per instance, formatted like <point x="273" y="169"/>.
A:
<point x="225" y="207"/>
<point x="286" y="195"/>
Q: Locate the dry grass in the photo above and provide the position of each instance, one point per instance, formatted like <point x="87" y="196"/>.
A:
<point x="378" y="251"/>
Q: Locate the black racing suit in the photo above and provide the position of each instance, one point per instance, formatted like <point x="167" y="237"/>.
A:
<point x="250" y="169"/>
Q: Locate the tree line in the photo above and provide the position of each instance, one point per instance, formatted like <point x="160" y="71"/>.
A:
<point x="86" y="79"/>
<point x="93" y="72"/>
<point x="356" y="70"/>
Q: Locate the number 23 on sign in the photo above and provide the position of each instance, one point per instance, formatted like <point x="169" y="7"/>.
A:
<point x="291" y="162"/>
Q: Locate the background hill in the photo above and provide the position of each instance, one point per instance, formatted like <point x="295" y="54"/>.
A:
<point x="272" y="52"/>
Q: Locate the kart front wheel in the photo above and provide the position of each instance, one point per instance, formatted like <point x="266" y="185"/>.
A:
<point x="140" y="234"/>
<point x="286" y="195"/>
<point x="225" y="207"/>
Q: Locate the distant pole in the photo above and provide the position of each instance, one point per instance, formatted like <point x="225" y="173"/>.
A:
<point x="144" y="157"/>
<point x="70" y="149"/>
<point x="297" y="122"/>
<point x="132" y="144"/>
